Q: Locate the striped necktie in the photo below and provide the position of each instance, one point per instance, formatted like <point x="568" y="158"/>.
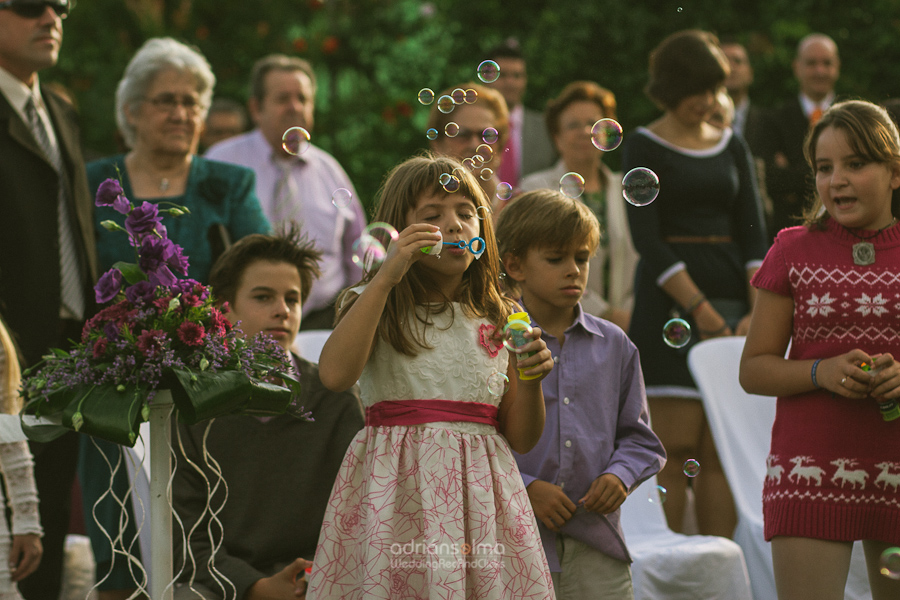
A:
<point x="285" y="197"/>
<point x="72" y="294"/>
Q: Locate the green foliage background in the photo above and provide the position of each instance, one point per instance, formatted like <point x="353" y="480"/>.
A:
<point x="372" y="56"/>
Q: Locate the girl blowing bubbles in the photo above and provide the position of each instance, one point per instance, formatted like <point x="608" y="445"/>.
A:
<point x="429" y="500"/>
<point x="830" y="289"/>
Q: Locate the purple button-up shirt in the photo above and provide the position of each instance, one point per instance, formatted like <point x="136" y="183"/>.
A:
<point x="315" y="175"/>
<point x="597" y="422"/>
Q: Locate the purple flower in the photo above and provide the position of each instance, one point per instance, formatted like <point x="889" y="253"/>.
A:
<point x="143" y="219"/>
<point x="122" y="205"/>
<point x="151" y="341"/>
<point x="140" y="293"/>
<point x="162" y="276"/>
<point x="178" y="262"/>
<point x="108" y="193"/>
<point x="108" y="287"/>
<point x="111" y="330"/>
<point x="155" y="253"/>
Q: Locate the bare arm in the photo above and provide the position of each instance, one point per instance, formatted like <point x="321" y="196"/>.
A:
<point x="744" y="326"/>
<point x="765" y="371"/>
<point x="349" y="346"/>
<point x="521" y="413"/>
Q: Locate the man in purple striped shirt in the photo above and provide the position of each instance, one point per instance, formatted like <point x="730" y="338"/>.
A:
<point x="597" y="443"/>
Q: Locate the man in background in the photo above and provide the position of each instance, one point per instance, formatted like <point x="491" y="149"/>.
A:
<point x="226" y="118"/>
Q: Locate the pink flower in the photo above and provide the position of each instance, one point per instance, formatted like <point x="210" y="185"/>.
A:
<point x="219" y="322"/>
<point x="190" y="300"/>
<point x="488" y="339"/>
<point x="191" y="334"/>
<point x="151" y="341"/>
<point x="99" y="347"/>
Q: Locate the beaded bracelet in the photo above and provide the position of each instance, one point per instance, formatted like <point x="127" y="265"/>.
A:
<point x="812" y="373"/>
<point x="695" y="303"/>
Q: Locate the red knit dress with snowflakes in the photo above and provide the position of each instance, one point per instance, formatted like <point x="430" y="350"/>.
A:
<point x="834" y="468"/>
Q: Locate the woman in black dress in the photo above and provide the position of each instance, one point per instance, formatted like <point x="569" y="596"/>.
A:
<point x="700" y="241"/>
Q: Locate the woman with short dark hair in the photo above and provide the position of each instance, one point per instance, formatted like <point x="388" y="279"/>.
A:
<point x="700" y="242"/>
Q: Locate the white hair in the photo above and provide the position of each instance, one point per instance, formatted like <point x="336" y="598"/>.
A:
<point x="155" y="56"/>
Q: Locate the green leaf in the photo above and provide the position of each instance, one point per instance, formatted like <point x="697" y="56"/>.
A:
<point x="131" y="272"/>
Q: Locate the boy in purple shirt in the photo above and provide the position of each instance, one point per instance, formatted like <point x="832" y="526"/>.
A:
<point x="597" y="443"/>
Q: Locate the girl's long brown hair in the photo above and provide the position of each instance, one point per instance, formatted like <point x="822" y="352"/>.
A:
<point x="479" y="294"/>
<point x="10" y="374"/>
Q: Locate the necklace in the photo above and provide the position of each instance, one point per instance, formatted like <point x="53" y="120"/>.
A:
<point x="864" y="250"/>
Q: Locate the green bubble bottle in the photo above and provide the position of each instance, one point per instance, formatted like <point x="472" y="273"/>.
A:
<point x="517" y="325"/>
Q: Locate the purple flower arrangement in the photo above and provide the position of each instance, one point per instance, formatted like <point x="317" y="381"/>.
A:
<point x="158" y="331"/>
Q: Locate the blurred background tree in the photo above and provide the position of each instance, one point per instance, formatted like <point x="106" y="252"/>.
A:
<point x="373" y="56"/>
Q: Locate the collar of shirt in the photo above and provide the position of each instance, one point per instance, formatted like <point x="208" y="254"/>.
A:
<point x="809" y="106"/>
<point x="18" y="93"/>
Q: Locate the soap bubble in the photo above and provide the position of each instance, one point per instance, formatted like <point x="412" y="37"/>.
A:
<point x="445" y="104"/>
<point x="640" y="186"/>
<point x="426" y="96"/>
<point x="458" y="95"/>
<point x="295" y="141"/>
<point x="498" y="383"/>
<point x="469" y="163"/>
<point x="486" y="174"/>
<point x="890" y="563"/>
<point x="431" y="134"/>
<point x="691" y="467"/>
<point x="657" y="495"/>
<point x="490" y="135"/>
<point x="381" y="231"/>
<point x="471" y="96"/>
<point x="516" y="334"/>
<point x="478" y="160"/>
<point x="488" y="71"/>
<point x="451" y="129"/>
<point x="484" y="151"/>
<point x="341" y="197"/>
<point x="367" y="253"/>
<point x="571" y="185"/>
<point x="452" y="185"/>
<point x="606" y="134"/>
<point x="444" y="179"/>
<point x="482" y="212"/>
<point x="676" y="333"/>
<point x="504" y="191"/>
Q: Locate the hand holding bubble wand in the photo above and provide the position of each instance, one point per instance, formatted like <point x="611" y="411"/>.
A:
<point x="476" y="246"/>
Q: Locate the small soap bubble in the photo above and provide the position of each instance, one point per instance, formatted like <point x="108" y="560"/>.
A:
<point x="445" y="104"/>
<point x="606" y="134"/>
<point x="458" y="95"/>
<point x="571" y="185"/>
<point x="295" y="141"/>
<point x="471" y="96"/>
<point x="452" y="185"/>
<point x="444" y="179"/>
<point x="484" y="151"/>
<point x="488" y="71"/>
<point x="451" y="129"/>
<point x="469" y="163"/>
<point x="657" y="495"/>
<point x="479" y="161"/>
<point x="490" y="135"/>
<point x="341" y="197"/>
<point x="486" y="174"/>
<point x="691" y="467"/>
<point x="679" y="9"/>
<point x="516" y="334"/>
<point x="482" y="212"/>
<point x="426" y="96"/>
<point x="367" y="253"/>
<point x="498" y="383"/>
<point x="890" y="563"/>
<point x="676" y="333"/>
<point x="432" y="133"/>
<point x="504" y="191"/>
<point x="640" y="186"/>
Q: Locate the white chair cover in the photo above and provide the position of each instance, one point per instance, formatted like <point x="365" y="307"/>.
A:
<point x="741" y="425"/>
<point x="309" y="344"/>
<point x="674" y="566"/>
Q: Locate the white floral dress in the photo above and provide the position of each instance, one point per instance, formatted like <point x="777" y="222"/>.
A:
<point x="436" y="510"/>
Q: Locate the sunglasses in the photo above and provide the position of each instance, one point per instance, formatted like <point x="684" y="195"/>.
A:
<point x="28" y="9"/>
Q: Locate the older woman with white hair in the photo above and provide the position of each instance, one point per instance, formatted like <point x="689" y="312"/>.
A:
<point x="161" y="104"/>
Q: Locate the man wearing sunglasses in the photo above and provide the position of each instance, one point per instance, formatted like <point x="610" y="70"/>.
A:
<point x="47" y="257"/>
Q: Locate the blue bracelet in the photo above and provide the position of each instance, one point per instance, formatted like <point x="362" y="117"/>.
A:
<point x="812" y="373"/>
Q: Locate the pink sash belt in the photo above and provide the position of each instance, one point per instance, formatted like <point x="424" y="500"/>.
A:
<point x="417" y="412"/>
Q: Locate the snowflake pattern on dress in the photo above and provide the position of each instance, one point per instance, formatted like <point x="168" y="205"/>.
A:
<point x="820" y="306"/>
<point x="871" y="305"/>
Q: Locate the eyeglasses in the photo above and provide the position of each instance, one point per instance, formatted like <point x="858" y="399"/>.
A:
<point x="31" y="9"/>
<point x="169" y="102"/>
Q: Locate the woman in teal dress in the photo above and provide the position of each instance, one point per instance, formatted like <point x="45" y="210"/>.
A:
<point x="161" y="104"/>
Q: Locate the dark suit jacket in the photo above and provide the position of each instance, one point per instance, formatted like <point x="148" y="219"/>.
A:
<point x="755" y="129"/>
<point x="538" y="151"/>
<point x="789" y="187"/>
<point x="29" y="237"/>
